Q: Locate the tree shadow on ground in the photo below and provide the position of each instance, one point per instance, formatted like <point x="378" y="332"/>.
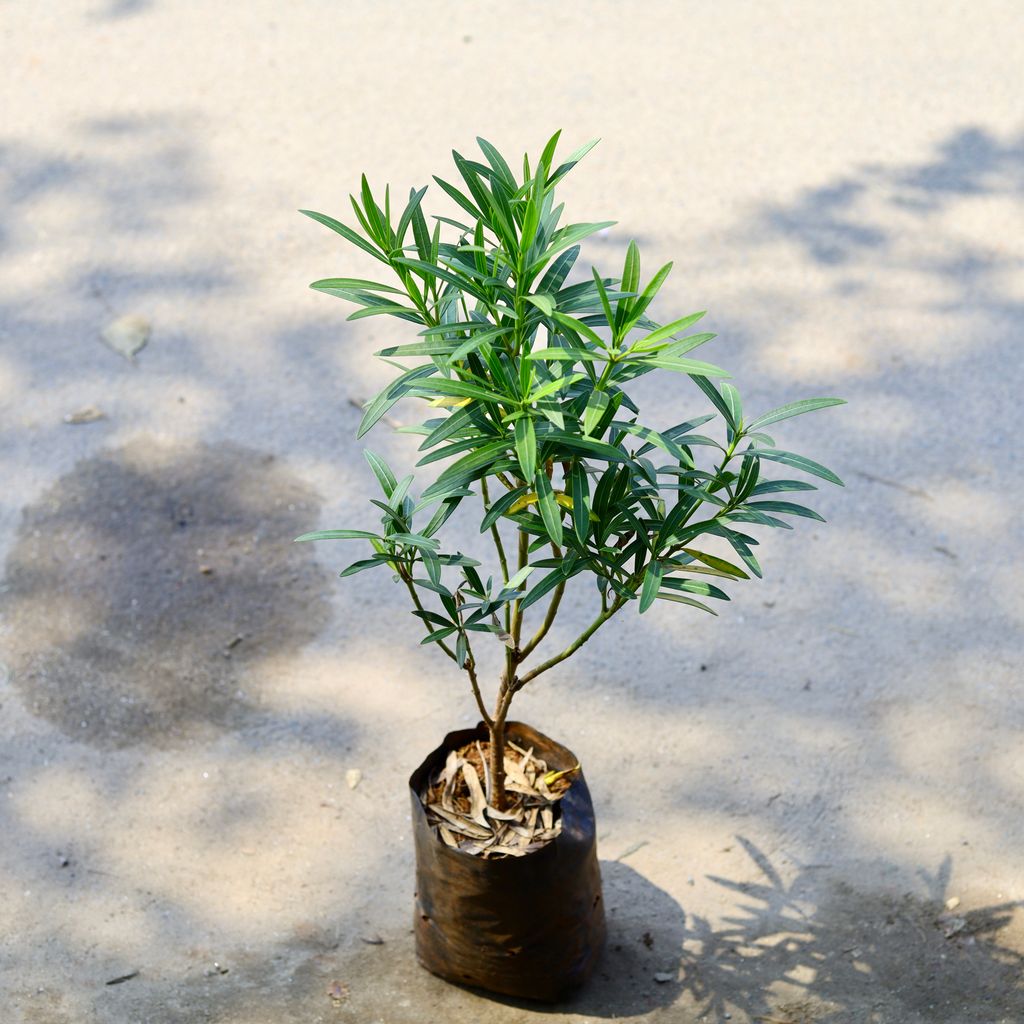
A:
<point x="147" y="585"/>
<point x="801" y="951"/>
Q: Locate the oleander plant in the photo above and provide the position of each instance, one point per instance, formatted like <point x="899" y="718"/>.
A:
<point x="523" y="366"/>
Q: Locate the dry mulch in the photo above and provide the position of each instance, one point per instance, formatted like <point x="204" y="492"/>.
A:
<point x="458" y="807"/>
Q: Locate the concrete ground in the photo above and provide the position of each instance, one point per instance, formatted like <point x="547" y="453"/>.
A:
<point x="809" y="808"/>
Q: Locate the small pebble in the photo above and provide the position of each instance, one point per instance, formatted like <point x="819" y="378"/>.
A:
<point x="90" y="414"/>
<point x="126" y="335"/>
<point x="353" y="777"/>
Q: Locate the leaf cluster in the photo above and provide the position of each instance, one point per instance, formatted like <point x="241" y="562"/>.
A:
<point x="525" y="369"/>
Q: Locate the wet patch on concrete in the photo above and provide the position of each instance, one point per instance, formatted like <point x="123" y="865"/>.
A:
<point x="146" y="584"/>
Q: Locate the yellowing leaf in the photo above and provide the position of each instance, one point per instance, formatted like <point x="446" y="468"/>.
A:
<point x="555" y="776"/>
<point x="530" y="498"/>
<point x="449" y="402"/>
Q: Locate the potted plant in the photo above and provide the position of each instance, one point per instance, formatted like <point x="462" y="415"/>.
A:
<point x="526" y="381"/>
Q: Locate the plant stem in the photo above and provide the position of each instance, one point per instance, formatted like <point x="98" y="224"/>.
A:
<point x="498" y="797"/>
<point x="575" y="645"/>
<point x="549" y="618"/>
<point x="517" y="616"/>
<point x="498" y="545"/>
<point x="416" y="601"/>
<point x="475" y="683"/>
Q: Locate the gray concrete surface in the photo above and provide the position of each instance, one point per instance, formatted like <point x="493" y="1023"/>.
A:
<point x="811" y="776"/>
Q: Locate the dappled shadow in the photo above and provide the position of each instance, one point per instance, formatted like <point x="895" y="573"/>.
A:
<point x="146" y="584"/>
<point x="819" y="950"/>
<point x="834" y="225"/>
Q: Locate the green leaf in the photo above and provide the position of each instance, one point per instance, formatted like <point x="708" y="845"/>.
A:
<point x="732" y="399"/>
<point x="739" y="544"/>
<point x="402" y="312"/>
<point x="543" y="302"/>
<point x="526" y="447"/>
<point x="478" y="339"/>
<point x="346" y="233"/>
<point x="547" y="584"/>
<point x="555" y="385"/>
<point x="579" y="489"/>
<point x="717" y="563"/>
<point x="695" y="587"/>
<point x="550" y="513"/>
<point x="338" y="535"/>
<point x="795" y="461"/>
<point x="639" y="305"/>
<point x="499" y="507"/>
<point x="573" y="159"/>
<point x="384" y="476"/>
<point x="586" y="444"/>
<point x="460" y="198"/>
<point x="784" y="412"/>
<point x="750" y="468"/>
<point x="465" y="469"/>
<point x="569" y="355"/>
<point x="432" y="564"/>
<point x="365" y="563"/>
<point x="444" y="512"/>
<point x="462" y="421"/>
<point x="785" y="507"/>
<point x="464" y="284"/>
<point x="556" y="274"/>
<point x="415" y="540"/>
<point x="457" y="389"/>
<point x="518" y="577"/>
<point x="400" y="491"/>
<point x="415" y="198"/>
<point x="548" y="155"/>
<point x="630" y="283"/>
<point x="652" y="437"/>
<point x="672" y="349"/>
<point x="656" y="337"/>
<point x="348" y="284"/>
<point x="596" y="405"/>
<point x="417" y="348"/>
<point x="497" y="161"/>
<point x="603" y="295"/>
<point x="693" y="367"/>
<point x="578" y="327"/>
<point x="652" y="581"/>
<point x="438" y="634"/>
<point x="683" y="599"/>
<point x="774" y="486"/>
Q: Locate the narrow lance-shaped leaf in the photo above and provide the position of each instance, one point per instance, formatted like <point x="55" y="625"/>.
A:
<point x="338" y="535"/>
<point x="656" y="337"/>
<point x="381" y="471"/>
<point x="550" y="513"/>
<point x="651" y="585"/>
<point x="526" y="447"/>
<point x="784" y="412"/>
<point x="580" y="494"/>
<point x="346" y="233"/>
<point x="596" y="405"/>
<point x="796" y="462"/>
